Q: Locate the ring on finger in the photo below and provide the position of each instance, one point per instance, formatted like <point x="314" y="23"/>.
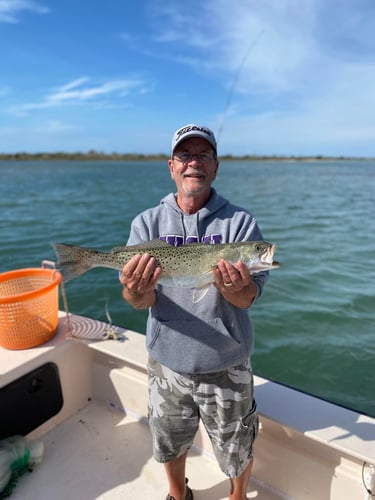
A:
<point x="228" y="284"/>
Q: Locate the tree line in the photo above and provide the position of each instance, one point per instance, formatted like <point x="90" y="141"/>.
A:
<point x="97" y="155"/>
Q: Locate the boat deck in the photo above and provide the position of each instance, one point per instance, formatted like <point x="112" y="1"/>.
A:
<point x="98" y="446"/>
<point x="101" y="453"/>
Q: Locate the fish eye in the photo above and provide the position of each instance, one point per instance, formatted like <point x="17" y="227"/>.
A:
<point x="258" y="247"/>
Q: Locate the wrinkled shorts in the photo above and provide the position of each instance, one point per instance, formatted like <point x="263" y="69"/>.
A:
<point x="222" y="400"/>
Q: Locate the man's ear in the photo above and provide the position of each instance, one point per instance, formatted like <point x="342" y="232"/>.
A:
<point x="170" y="166"/>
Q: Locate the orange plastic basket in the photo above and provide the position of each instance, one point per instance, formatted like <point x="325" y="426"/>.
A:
<point x="29" y="304"/>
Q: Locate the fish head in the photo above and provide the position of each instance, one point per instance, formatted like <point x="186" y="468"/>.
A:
<point x="258" y="256"/>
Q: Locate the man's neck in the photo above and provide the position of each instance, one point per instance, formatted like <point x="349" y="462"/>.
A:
<point x="190" y="204"/>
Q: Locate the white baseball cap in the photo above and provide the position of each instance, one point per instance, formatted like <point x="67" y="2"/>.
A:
<point x="193" y="130"/>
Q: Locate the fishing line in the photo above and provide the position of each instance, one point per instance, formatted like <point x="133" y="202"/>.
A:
<point x="235" y="80"/>
<point x="112" y="332"/>
<point x="107" y="313"/>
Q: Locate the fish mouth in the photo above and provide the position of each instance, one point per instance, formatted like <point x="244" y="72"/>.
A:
<point x="270" y="264"/>
<point x="267" y="257"/>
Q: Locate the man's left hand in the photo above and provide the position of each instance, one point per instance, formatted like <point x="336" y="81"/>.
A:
<point x="235" y="284"/>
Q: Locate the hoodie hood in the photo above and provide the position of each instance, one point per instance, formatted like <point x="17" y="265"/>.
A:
<point x="193" y="227"/>
<point x="214" y="204"/>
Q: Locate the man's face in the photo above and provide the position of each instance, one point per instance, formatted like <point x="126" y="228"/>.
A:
<point x="193" y="167"/>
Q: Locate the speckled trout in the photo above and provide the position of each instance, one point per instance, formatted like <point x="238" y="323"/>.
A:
<point x="189" y="266"/>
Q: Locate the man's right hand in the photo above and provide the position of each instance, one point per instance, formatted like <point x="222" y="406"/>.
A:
<point x="139" y="277"/>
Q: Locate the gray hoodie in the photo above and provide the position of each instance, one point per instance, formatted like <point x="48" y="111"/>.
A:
<point x="210" y="335"/>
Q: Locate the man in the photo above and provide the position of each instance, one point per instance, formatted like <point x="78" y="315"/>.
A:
<point x="198" y="352"/>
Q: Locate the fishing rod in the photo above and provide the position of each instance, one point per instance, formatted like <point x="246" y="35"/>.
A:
<point x="235" y="80"/>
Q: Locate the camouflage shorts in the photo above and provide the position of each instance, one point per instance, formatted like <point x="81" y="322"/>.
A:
<point x="223" y="400"/>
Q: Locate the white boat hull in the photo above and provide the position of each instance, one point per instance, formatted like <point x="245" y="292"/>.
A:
<point x="98" y="446"/>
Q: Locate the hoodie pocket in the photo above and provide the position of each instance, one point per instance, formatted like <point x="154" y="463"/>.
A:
<point x="212" y="331"/>
<point x="194" y="346"/>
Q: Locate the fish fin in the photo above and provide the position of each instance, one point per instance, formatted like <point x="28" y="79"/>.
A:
<point x="200" y="293"/>
<point x="156" y="243"/>
<point x="71" y="260"/>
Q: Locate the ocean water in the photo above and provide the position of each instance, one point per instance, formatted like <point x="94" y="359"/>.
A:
<point x="314" y="323"/>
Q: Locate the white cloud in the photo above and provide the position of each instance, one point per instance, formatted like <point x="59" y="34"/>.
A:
<point x="272" y="43"/>
<point x="81" y="91"/>
<point x="303" y="69"/>
<point x="74" y="84"/>
<point x="10" y="10"/>
<point x="289" y="45"/>
<point x="75" y="91"/>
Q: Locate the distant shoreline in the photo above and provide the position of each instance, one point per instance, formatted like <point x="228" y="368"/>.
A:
<point x="97" y="156"/>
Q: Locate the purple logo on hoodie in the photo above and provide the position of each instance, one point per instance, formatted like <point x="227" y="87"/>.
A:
<point x="176" y="240"/>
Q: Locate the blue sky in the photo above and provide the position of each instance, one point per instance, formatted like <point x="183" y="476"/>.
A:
<point x="289" y="77"/>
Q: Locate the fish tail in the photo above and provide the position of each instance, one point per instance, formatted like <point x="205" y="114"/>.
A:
<point x="72" y="260"/>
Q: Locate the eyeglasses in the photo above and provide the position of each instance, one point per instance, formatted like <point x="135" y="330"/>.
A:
<point x="188" y="157"/>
